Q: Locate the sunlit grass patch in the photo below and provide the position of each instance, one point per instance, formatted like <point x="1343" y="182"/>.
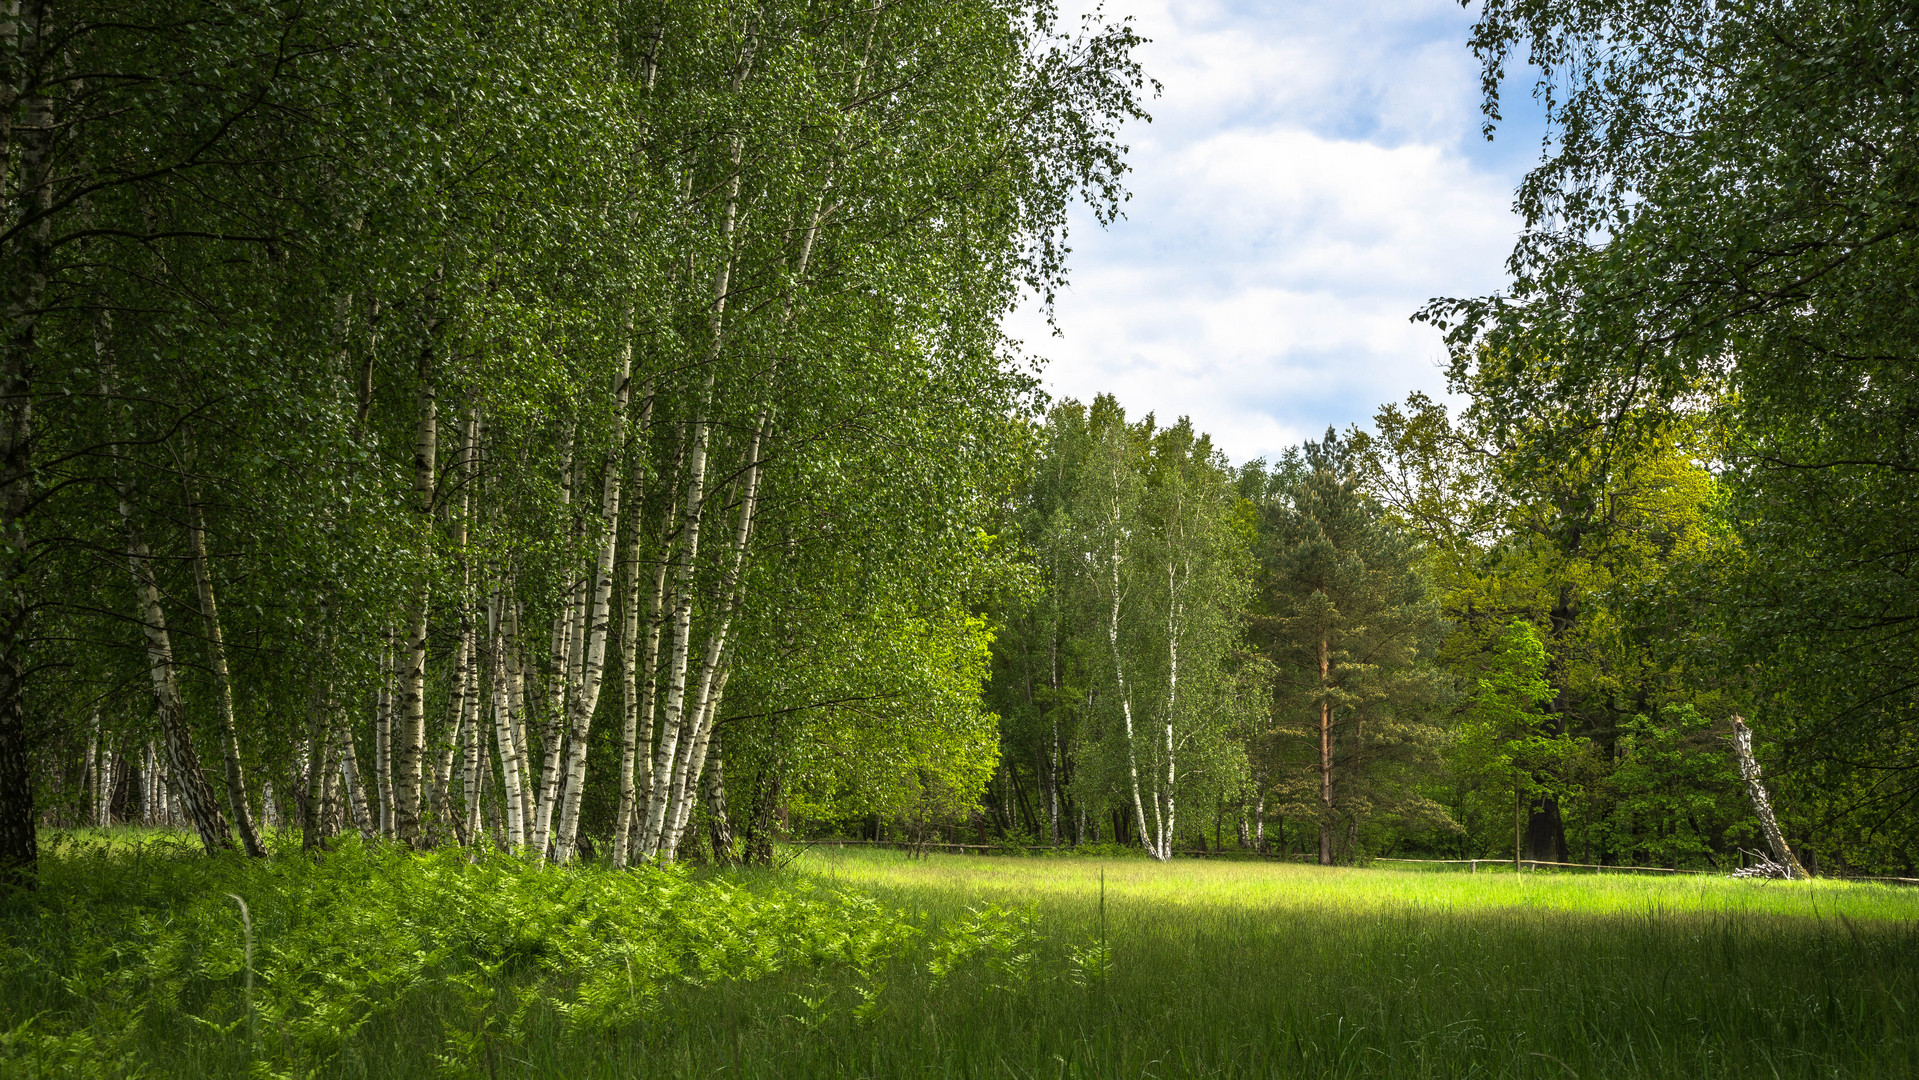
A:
<point x="1263" y="884"/>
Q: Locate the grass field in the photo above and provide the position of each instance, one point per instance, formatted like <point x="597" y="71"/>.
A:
<point x="1000" y="967"/>
<point x="1257" y="969"/>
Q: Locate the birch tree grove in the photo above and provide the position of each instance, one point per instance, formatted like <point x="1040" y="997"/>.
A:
<point x="496" y="352"/>
<point x="1141" y="534"/>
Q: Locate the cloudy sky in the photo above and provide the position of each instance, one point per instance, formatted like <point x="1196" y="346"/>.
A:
<point x="1313" y="173"/>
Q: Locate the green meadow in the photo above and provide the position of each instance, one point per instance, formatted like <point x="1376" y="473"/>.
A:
<point x="132" y="960"/>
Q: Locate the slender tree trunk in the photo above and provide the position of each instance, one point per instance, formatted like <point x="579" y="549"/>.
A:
<point x="713" y="665"/>
<point x="1325" y="757"/>
<point x="648" y="780"/>
<point x="355" y="786"/>
<point x="412" y="750"/>
<point x="461" y="705"/>
<point x="202" y="807"/>
<point x="1259" y="810"/>
<point x="94" y="781"/>
<point x="510" y="766"/>
<point x="1172" y="705"/>
<point x="383" y="734"/>
<point x="1119" y="676"/>
<point x="698" y="434"/>
<point x="675" y="706"/>
<point x="563" y="653"/>
<point x="150" y="800"/>
<point x="222" y="682"/>
<point x="490" y="801"/>
<point x="593" y="654"/>
<point x="439" y="799"/>
<point x="25" y="268"/>
<point x="475" y="751"/>
<point x="631" y="750"/>
<point x="715" y="797"/>
<point x="689" y="782"/>
<point x="319" y="755"/>
<point x="1761" y="805"/>
<point x="517" y="721"/>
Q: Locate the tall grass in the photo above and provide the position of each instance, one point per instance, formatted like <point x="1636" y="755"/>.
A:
<point x="983" y="967"/>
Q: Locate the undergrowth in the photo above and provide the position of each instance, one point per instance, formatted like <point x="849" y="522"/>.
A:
<point x="132" y="960"/>
<point x="291" y="965"/>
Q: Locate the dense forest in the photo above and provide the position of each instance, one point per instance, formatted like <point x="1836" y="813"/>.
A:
<point x="586" y="430"/>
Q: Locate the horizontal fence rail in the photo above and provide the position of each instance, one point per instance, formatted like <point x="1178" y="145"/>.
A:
<point x="948" y="848"/>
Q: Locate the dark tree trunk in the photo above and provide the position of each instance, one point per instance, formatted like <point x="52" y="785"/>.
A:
<point x="1545" y="830"/>
<point x="25" y="260"/>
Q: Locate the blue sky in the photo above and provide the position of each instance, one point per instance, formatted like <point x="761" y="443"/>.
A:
<point x="1313" y="173"/>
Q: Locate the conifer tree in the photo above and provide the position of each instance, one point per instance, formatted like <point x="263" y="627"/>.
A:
<point x="1349" y="622"/>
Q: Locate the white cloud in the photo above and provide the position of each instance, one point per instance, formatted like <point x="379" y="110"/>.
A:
<point x="1305" y="186"/>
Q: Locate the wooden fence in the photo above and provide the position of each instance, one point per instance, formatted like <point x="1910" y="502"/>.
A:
<point x="1472" y="865"/>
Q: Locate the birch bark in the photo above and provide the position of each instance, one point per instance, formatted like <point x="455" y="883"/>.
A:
<point x="222" y="681"/>
<point x="630" y="746"/>
<point x="688" y="555"/>
<point x="1119" y="675"/>
<point x="516" y="712"/>
<point x="714" y="794"/>
<point x="383" y="734"/>
<point x="510" y="767"/>
<point x="202" y="808"/>
<point x="412" y="750"/>
<point x="475" y="742"/>
<point x="698" y="434"/>
<point x="319" y="761"/>
<point x="461" y="705"/>
<point x="560" y="669"/>
<point x="689" y="782"/>
<point x="680" y="789"/>
<point x="647" y="780"/>
<point x="1172" y="705"/>
<point x="593" y="658"/>
<point x="355" y="786"/>
<point x="1761" y="805"/>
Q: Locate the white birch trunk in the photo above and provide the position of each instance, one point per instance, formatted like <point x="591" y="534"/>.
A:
<point x="696" y="757"/>
<point x="695" y="507"/>
<point x="475" y="744"/>
<point x="632" y="750"/>
<point x="1172" y="704"/>
<point x="412" y="733"/>
<point x="1119" y="676"/>
<point x="679" y="789"/>
<point x="555" y="725"/>
<point x="593" y="659"/>
<point x="222" y="682"/>
<point x="510" y="767"/>
<point x="355" y="788"/>
<point x="319" y="761"/>
<point x="1761" y="805"/>
<point x="383" y="735"/>
<point x="100" y="789"/>
<point x="516" y="714"/>
<point x="437" y="802"/>
<point x="202" y="808"/>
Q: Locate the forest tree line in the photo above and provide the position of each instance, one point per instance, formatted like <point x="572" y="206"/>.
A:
<point x="518" y="423"/>
<point x="1680" y="492"/>
<point x="587" y="428"/>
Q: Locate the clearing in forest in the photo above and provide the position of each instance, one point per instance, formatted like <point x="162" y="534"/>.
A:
<point x="133" y="958"/>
